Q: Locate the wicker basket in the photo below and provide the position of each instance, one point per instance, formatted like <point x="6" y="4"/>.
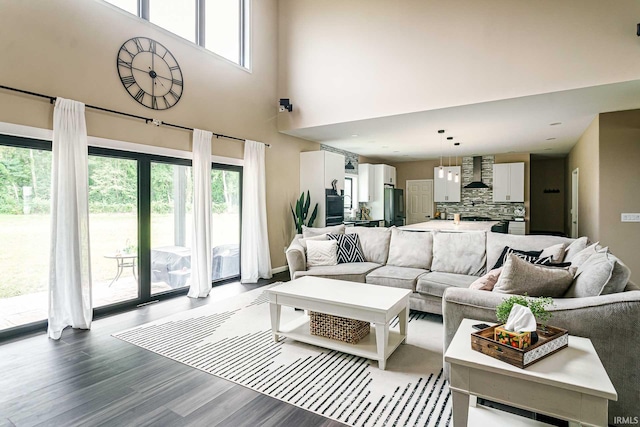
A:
<point x="338" y="328"/>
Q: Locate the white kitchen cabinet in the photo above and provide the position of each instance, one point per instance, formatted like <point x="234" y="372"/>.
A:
<point x="318" y="169"/>
<point x="445" y="190"/>
<point x="366" y="182"/>
<point x="389" y="175"/>
<point x="508" y="182"/>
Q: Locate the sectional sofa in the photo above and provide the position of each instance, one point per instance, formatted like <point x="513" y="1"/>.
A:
<point x="439" y="267"/>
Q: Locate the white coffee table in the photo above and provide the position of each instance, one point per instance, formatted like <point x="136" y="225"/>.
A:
<point x="370" y="303"/>
<point x="570" y="384"/>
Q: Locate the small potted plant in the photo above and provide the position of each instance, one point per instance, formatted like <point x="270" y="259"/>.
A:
<point x="520" y="339"/>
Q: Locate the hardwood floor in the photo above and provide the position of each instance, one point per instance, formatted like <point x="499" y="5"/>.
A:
<point x="91" y="378"/>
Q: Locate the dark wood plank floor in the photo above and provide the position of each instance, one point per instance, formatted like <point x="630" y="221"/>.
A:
<point x="91" y="378"/>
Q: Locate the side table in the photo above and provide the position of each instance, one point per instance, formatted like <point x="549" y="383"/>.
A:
<point x="571" y="384"/>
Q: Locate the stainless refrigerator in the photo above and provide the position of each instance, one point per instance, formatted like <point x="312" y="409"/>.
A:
<point x="394" y="213"/>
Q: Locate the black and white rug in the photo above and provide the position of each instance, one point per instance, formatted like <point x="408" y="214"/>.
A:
<point x="232" y="339"/>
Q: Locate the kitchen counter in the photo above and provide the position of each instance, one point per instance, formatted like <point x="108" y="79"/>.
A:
<point x="442" y="225"/>
<point x="362" y="222"/>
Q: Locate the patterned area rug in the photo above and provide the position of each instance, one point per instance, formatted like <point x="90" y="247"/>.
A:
<point x="232" y="339"/>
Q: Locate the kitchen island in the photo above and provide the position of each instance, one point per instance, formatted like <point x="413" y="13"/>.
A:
<point x="446" y="225"/>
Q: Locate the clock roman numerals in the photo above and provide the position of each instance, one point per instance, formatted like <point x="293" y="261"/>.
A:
<point x="150" y="73"/>
<point x="139" y="96"/>
<point x="138" y="44"/>
<point x="128" y="81"/>
<point x="123" y="63"/>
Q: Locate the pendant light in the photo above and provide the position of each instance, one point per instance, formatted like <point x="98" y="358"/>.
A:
<point x="441" y="170"/>
<point x="449" y="173"/>
<point x="456" y="178"/>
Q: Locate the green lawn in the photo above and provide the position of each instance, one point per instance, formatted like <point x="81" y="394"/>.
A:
<point x="24" y="245"/>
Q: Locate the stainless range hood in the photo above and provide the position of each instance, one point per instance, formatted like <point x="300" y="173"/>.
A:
<point x="477" y="174"/>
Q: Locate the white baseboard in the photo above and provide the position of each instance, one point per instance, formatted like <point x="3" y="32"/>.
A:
<point x="279" y="269"/>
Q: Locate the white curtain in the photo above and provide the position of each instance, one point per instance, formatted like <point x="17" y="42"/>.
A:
<point x="200" y="285"/>
<point x="255" y="259"/>
<point x="69" y="268"/>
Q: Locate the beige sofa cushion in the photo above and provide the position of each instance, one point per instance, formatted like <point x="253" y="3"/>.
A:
<point x="519" y="277"/>
<point x="410" y="248"/>
<point x="396" y="277"/>
<point x="311" y="231"/>
<point x="435" y="283"/>
<point x="352" y="272"/>
<point x="461" y="253"/>
<point x="374" y="242"/>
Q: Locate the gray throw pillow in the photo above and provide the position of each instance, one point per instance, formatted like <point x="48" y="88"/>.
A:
<point x="519" y="277"/>
<point x="584" y="255"/>
<point x="410" y="249"/>
<point x="311" y="232"/>
<point x="374" y="242"/>
<point x="575" y="247"/>
<point x="600" y="274"/>
<point x="461" y="253"/>
<point x="556" y="252"/>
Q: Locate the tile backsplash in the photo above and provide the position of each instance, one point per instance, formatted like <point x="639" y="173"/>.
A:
<point x="478" y="201"/>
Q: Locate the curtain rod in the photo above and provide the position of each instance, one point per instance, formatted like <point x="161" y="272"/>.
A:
<point x="146" y="119"/>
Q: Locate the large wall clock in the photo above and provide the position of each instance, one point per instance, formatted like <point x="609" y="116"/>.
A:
<point x="150" y="73"/>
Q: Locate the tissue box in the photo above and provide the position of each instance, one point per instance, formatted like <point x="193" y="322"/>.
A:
<point x="550" y="340"/>
<point x="512" y="339"/>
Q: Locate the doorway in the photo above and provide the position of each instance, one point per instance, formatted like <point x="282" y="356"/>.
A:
<point x="574" y="203"/>
<point x="419" y="200"/>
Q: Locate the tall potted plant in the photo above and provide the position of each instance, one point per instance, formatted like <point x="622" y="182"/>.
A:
<point x="301" y="212"/>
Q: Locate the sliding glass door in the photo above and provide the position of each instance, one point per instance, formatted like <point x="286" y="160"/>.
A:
<point x="226" y="184"/>
<point x="140" y="215"/>
<point x="171" y="219"/>
<point x="25" y="192"/>
<point x="113" y="229"/>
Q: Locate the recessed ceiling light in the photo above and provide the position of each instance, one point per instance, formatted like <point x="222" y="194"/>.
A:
<point x="354" y="135"/>
<point x="550" y="139"/>
<point x="555" y="124"/>
<point x="405" y="155"/>
<point x="385" y="146"/>
<point x="456" y="143"/>
<point x="396" y="151"/>
<point x="547" y="149"/>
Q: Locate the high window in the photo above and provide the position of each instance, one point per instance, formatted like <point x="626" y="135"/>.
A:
<point x="217" y="25"/>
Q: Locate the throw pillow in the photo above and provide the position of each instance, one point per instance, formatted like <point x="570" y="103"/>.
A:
<point x="411" y="249"/>
<point x="519" y="276"/>
<point x="601" y="274"/>
<point x="303" y="242"/>
<point x="556" y="252"/>
<point x="488" y="281"/>
<point x="526" y="255"/>
<point x="310" y="231"/>
<point x="349" y="249"/>
<point x="322" y="253"/>
<point x="584" y="255"/>
<point x="461" y="253"/>
<point x="575" y="247"/>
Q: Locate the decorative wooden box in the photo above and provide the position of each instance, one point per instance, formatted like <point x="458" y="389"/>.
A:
<point x="338" y="328"/>
<point x="550" y="340"/>
<point x="511" y="338"/>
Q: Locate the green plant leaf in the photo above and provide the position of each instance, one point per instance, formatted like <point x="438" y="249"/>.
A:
<point x="295" y="220"/>
<point x="536" y="305"/>
<point x="307" y="203"/>
<point x="313" y="216"/>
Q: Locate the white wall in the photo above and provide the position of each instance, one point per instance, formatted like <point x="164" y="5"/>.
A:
<point x="349" y="60"/>
<point x="68" y="48"/>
